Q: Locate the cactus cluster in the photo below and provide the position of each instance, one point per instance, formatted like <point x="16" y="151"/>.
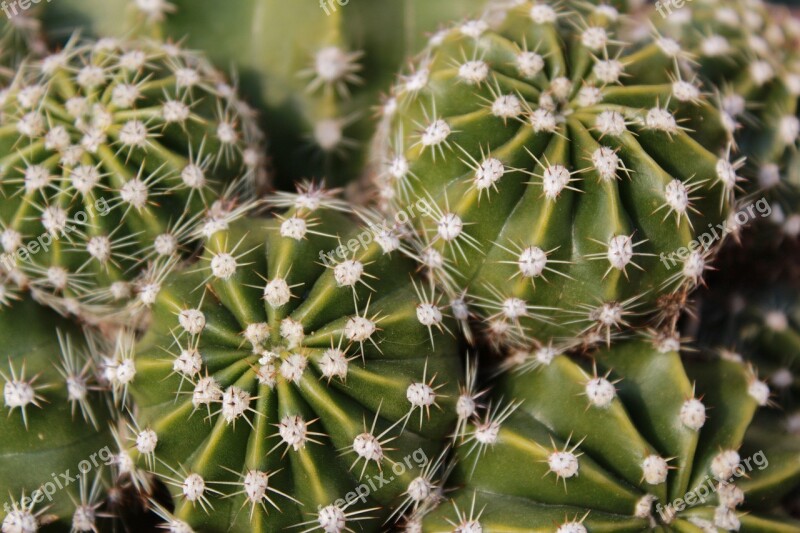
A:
<point x="750" y="54"/>
<point x="275" y="390"/>
<point x="116" y="156"/>
<point x="316" y="88"/>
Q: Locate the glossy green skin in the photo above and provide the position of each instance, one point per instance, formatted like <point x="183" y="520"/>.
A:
<point x="642" y="420"/>
<point x="269" y="42"/>
<point x="57" y="438"/>
<point x="103" y="211"/>
<point x="575" y="224"/>
<point x="317" y="474"/>
<point x="766" y="104"/>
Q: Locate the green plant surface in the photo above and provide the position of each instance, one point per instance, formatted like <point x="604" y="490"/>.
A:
<point x="569" y="173"/>
<point x="55" y="425"/>
<point x="113" y="154"/>
<point x="634" y="439"/>
<point x="267" y="367"/>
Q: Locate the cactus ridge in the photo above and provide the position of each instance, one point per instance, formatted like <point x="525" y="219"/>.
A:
<point x="117" y="156"/>
<point x="552" y="156"/>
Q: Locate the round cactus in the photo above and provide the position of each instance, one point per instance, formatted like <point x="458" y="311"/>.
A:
<point x="115" y="153"/>
<point x="570" y="175"/>
<point x="633" y="440"/>
<point x="296" y="377"/>
<point x="57" y="449"/>
<point x="751" y="53"/>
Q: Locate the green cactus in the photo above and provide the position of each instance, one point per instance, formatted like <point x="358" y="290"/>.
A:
<point x="56" y="450"/>
<point x="116" y="156"/>
<point x="278" y="377"/>
<point x="569" y="175"/>
<point x="751" y="53"/>
<point x="608" y="444"/>
<point x="317" y="79"/>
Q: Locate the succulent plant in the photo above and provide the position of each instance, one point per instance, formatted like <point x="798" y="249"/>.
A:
<point x="114" y="156"/>
<point x="751" y="53"/>
<point x="56" y="451"/>
<point x="576" y="185"/>
<point x="632" y="439"/>
<point x="296" y="376"/>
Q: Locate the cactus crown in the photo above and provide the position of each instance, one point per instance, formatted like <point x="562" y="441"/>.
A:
<point x="115" y="154"/>
<point x="567" y="171"/>
<point x="278" y="377"/>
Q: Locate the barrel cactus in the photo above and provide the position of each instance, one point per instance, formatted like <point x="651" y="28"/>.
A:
<point x="114" y="155"/>
<point x="57" y="451"/>
<point x="634" y="439"/>
<point x="296" y="377"/>
<point x="751" y="53"/>
<point x="577" y="185"/>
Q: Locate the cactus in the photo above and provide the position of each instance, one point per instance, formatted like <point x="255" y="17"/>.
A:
<point x="568" y="174"/>
<point x="296" y="364"/>
<point x="752" y="54"/>
<point x="608" y="444"/>
<point x="56" y="448"/>
<point x="114" y="155"/>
